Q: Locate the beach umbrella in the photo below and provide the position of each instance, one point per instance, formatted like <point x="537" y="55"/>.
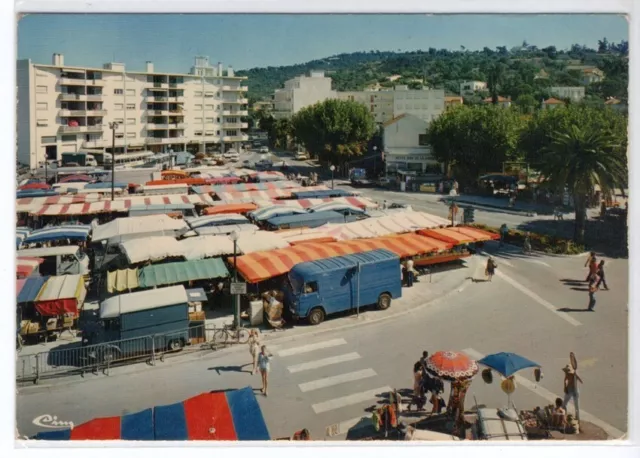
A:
<point x="451" y="365"/>
<point x="507" y="364"/>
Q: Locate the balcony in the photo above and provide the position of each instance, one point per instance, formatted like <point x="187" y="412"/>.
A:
<point x="165" y="140"/>
<point x="236" y="138"/>
<point x="176" y="99"/>
<point x="179" y="125"/>
<point x="94" y="97"/>
<point x="235" y="125"/>
<point x="154" y="126"/>
<point x="95" y="143"/>
<point x="158" y="85"/>
<point x="96" y="82"/>
<point x="72" y="129"/>
<point x="63" y="113"/>
<point x="67" y="96"/>
<point x="154" y="98"/>
<point x="235" y="113"/>
<point x="72" y="82"/>
<point x="157" y="112"/>
<point x="236" y="101"/>
<point x="176" y="85"/>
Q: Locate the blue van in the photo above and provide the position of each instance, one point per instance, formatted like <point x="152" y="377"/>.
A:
<point x="309" y="220"/>
<point x="316" y="289"/>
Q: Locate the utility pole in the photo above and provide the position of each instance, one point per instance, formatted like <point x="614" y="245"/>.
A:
<point x="113" y="126"/>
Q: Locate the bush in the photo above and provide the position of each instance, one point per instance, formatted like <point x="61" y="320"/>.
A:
<point x="539" y="242"/>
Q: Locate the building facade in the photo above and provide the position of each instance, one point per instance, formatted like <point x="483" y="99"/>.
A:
<point x="504" y="102"/>
<point x="406" y="147"/>
<point x="470" y="87"/>
<point x="385" y="105"/>
<point x="67" y="109"/>
<point x="301" y="92"/>
<point x="575" y="93"/>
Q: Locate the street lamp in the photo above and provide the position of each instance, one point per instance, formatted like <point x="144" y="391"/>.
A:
<point x="46" y="173"/>
<point x="113" y="126"/>
<point x="375" y="148"/>
<point x="236" y="312"/>
<point x="332" y="168"/>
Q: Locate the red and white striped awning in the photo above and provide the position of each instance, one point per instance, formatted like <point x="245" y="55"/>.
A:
<point x="120" y="205"/>
<point x="249" y="196"/>
<point x="360" y="202"/>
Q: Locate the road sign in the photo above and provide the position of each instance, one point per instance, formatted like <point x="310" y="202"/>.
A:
<point x="238" y="288"/>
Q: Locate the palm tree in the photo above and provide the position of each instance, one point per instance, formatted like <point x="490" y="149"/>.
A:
<point x="580" y="158"/>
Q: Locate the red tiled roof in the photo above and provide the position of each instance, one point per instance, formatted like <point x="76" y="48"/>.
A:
<point x="553" y="101"/>
<point x="500" y="99"/>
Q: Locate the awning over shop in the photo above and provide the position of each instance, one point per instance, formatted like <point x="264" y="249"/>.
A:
<point x="229" y="416"/>
<point x="30" y="289"/>
<point x="118" y="205"/>
<point x="122" y="280"/>
<point x="60" y="295"/>
<point x="68" y="232"/>
<point x="260" y="266"/>
<point x="26" y="266"/>
<point x="459" y="235"/>
<point x="179" y="272"/>
<point x="122" y="229"/>
<point x="230" y="208"/>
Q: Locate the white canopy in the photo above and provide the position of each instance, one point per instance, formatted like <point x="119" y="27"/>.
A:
<point x="386" y="225"/>
<point x="122" y="229"/>
<point x="260" y="241"/>
<point x="62" y="287"/>
<point x="151" y="249"/>
<point x="222" y="230"/>
<point x="142" y="300"/>
<point x="205" y="246"/>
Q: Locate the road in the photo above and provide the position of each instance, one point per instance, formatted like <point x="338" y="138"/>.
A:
<point x="534" y="307"/>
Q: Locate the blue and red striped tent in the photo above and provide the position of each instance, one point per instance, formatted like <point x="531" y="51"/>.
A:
<point x="234" y="416"/>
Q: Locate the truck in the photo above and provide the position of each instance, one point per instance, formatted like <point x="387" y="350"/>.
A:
<point x="317" y="289"/>
<point x="126" y="320"/>
<point x="358" y="177"/>
<point x="78" y="159"/>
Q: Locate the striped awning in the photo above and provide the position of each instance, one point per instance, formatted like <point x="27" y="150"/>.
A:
<point x="261" y="266"/>
<point x="268" y="194"/>
<point x="67" y="232"/>
<point x="246" y="187"/>
<point x="459" y="235"/>
<point x="360" y="202"/>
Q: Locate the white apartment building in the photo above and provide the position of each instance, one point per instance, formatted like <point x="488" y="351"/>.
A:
<point x="66" y="109"/>
<point x="300" y="92"/>
<point x="406" y="146"/>
<point x="575" y="93"/>
<point x="469" y="87"/>
<point x="385" y="105"/>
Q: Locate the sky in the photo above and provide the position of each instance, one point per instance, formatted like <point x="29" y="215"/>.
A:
<point x="259" y="40"/>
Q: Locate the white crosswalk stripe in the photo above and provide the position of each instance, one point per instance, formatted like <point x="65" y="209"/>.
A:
<point x="336" y="380"/>
<point x="312" y="347"/>
<point x="323" y="362"/>
<point x="351" y="399"/>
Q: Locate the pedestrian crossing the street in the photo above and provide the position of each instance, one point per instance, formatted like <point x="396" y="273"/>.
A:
<point x="330" y="375"/>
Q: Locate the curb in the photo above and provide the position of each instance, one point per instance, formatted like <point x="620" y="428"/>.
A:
<point x="269" y="340"/>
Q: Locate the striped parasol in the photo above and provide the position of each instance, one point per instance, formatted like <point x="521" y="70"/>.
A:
<point x="451" y="365"/>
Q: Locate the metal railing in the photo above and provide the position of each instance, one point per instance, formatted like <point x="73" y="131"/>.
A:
<point x="78" y="359"/>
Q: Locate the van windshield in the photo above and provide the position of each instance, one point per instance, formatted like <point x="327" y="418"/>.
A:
<point x="294" y="283"/>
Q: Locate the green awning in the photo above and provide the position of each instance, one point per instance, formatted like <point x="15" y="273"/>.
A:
<point x="179" y="272"/>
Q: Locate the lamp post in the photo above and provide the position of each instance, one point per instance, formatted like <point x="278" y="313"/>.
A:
<point x="332" y="168"/>
<point x="113" y="126"/>
<point x="46" y="172"/>
<point x="236" y="312"/>
<point x="375" y="148"/>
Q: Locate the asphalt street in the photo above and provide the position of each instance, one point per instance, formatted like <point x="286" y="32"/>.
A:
<point x="534" y="306"/>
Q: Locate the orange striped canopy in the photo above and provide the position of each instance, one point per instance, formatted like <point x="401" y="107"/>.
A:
<point x="459" y="235"/>
<point x="260" y="266"/>
<point x="230" y="208"/>
<point x="187" y="181"/>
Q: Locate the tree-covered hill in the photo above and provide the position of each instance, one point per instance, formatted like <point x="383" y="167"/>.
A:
<point x="520" y="69"/>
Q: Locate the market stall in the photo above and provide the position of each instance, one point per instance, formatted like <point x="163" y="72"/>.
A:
<point x="221" y="209"/>
<point x="26" y="266"/>
<point x="21" y="234"/>
<point x="71" y="232"/>
<point x="61" y="295"/>
<point x="122" y="229"/>
<point x="249" y="196"/>
<point x="230" y="416"/>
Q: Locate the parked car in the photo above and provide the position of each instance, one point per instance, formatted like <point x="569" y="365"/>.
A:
<point x="302" y="156"/>
<point x="264" y="149"/>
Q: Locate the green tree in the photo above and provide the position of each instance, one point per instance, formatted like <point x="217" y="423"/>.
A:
<point x="472" y="140"/>
<point x="495" y="80"/>
<point x="334" y="129"/>
<point x="282" y="132"/>
<point x="526" y="103"/>
<point x="579" y="158"/>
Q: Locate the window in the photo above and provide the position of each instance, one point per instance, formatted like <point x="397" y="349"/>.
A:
<point x="208" y="95"/>
<point x="118" y="92"/>
<point x="131" y="121"/>
<point x="41" y="89"/>
<point x="208" y="107"/>
<point x="68" y="138"/>
<point x="198" y="133"/>
<point x="311" y="287"/>
<point x="48" y="139"/>
<point x="131" y="135"/>
<point x="131" y="106"/>
<point x="119" y="135"/>
<point x="199" y="106"/>
<point x="198" y="94"/>
<point x="423" y="140"/>
<point x="131" y="92"/>
<point x="42" y="106"/>
<point x="119" y="120"/>
<point x="118" y="106"/>
<point x="209" y="133"/>
<point x="198" y="120"/>
<point x="42" y="122"/>
<point x="217" y="132"/>
<point x="217" y="119"/>
<point x="209" y="120"/>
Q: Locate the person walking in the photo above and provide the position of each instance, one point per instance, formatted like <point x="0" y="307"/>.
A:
<point x="527" y="244"/>
<point x="601" y="278"/>
<point x="491" y="268"/>
<point x="504" y="231"/>
<point x="254" y="349"/>
<point x="410" y="273"/>
<point x="593" y="268"/>
<point x="571" y="391"/>
<point x="593" y="288"/>
<point x="264" y="363"/>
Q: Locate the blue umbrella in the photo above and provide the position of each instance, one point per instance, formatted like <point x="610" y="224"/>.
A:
<point x="507" y="364"/>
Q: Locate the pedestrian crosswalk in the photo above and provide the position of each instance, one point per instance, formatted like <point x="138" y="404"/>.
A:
<point x="334" y="382"/>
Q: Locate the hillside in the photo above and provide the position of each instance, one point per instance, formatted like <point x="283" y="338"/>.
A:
<point x="446" y="69"/>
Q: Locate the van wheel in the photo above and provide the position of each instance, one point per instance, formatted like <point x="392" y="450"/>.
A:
<point x="316" y="316"/>
<point x="384" y="301"/>
<point x="176" y="345"/>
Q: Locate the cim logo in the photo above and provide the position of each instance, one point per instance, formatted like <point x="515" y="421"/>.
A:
<point x="51" y="421"/>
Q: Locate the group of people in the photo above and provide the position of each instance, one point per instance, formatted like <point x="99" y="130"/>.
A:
<point x="595" y="278"/>
<point x="424" y="384"/>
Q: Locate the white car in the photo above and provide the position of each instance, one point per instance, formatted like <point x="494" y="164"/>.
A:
<point x="264" y="149"/>
<point x="301" y="156"/>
